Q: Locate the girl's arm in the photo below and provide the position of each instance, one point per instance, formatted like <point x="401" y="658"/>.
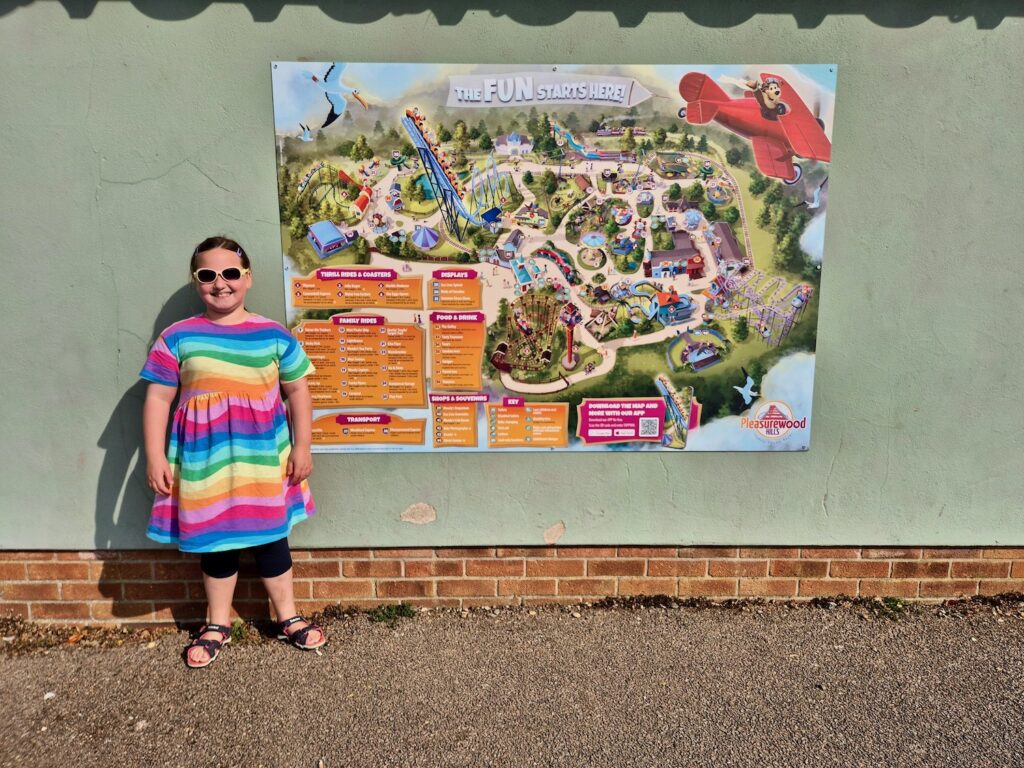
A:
<point x="155" y="413"/>
<point x="300" y="405"/>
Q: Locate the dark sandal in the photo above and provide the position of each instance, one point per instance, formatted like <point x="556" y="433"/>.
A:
<point x="212" y="647"/>
<point x="298" y="637"/>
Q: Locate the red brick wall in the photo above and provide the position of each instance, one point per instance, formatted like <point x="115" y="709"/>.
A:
<point x="161" y="586"/>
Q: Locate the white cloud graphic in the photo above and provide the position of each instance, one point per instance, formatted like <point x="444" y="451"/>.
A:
<point x="790" y="380"/>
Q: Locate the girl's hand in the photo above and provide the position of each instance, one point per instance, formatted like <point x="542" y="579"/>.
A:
<point x="300" y="465"/>
<point x="158" y="476"/>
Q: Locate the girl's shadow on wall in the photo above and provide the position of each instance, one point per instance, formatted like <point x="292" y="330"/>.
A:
<point x="138" y="582"/>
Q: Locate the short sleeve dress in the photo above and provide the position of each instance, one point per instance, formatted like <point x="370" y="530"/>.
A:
<point x="230" y="437"/>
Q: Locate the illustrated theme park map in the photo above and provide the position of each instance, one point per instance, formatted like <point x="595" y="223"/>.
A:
<point x="527" y="257"/>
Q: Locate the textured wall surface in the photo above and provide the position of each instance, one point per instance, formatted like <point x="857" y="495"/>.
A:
<point x="128" y="133"/>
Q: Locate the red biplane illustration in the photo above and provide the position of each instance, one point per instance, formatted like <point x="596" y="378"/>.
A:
<point x="770" y="114"/>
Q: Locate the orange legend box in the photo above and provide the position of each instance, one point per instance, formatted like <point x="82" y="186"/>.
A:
<point x="367" y="428"/>
<point x="514" y="423"/>
<point x="454" y="289"/>
<point x="357" y="288"/>
<point x="453" y="419"/>
<point x="363" y="360"/>
<point x="457" y="350"/>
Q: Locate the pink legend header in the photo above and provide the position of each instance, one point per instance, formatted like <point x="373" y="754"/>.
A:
<point x="363" y="418"/>
<point x="357" y="320"/>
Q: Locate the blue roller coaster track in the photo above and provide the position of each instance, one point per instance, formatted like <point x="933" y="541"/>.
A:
<point x="453" y="209"/>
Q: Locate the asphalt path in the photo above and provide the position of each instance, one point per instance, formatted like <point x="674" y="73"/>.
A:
<point x="767" y="685"/>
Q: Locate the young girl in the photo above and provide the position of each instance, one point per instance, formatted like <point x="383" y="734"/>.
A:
<point x="233" y="477"/>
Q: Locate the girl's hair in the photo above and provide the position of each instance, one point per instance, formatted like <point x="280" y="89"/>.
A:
<point x="217" y="241"/>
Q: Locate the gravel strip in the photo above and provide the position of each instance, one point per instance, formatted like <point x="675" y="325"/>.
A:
<point x="760" y="685"/>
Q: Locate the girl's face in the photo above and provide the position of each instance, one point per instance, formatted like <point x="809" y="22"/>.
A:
<point x="222" y="297"/>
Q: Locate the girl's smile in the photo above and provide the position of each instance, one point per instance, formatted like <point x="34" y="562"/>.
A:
<point x="224" y="298"/>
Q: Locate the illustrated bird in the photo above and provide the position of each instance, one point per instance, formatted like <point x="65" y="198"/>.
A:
<point x="747" y="390"/>
<point x="334" y="91"/>
<point x="305" y="133"/>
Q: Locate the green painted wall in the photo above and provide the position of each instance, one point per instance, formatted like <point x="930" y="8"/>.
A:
<point x="125" y="137"/>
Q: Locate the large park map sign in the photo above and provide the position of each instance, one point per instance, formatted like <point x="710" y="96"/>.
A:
<point x="488" y="258"/>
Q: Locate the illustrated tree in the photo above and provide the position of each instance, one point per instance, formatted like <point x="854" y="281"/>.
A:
<point x="474" y="133"/>
<point x="688" y="142"/>
<point x="486" y="142"/>
<point x="362" y="250"/>
<point x="773" y="194"/>
<point x="675" y="192"/>
<point x="627" y="142"/>
<point x="361" y="149"/>
<point x="416" y="192"/>
<point x="764" y="218"/>
<point x="702" y="145"/>
<point x="595" y="126"/>
<point x="393" y="134"/>
<point x="709" y="210"/>
<point x="550" y="181"/>
<point x="378" y="128"/>
<point x="733" y="156"/>
<point x="460" y="140"/>
<point x="695" y="192"/>
<point x="660" y="137"/>
<point x="528" y="177"/>
<point x="757" y="372"/>
<point x="758" y="183"/>
<point x="599" y="278"/>
<point x="731" y="214"/>
<point x="741" y="329"/>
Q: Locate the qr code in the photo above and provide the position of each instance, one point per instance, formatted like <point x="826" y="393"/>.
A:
<point x="648" y="427"/>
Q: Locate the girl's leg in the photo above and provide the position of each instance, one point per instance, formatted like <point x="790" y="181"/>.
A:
<point x="220" y="574"/>
<point x="274" y="563"/>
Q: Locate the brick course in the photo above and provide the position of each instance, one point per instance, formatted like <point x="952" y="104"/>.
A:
<point x="158" y="586"/>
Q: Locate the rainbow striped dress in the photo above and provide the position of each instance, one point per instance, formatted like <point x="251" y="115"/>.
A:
<point x="230" y="438"/>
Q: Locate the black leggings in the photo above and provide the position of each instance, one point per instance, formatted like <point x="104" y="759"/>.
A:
<point x="272" y="560"/>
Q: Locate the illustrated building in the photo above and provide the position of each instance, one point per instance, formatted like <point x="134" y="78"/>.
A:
<point x="695" y="267"/>
<point x="673" y="308"/>
<point x="670" y="263"/>
<point x="326" y="238"/>
<point x="510" y="247"/>
<point x="583" y="183"/>
<point x="677" y="206"/>
<point x="532" y="215"/>
<point x="724" y="244"/>
<point x="513" y="145"/>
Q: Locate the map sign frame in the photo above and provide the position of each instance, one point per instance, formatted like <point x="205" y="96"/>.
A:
<point x="554" y="257"/>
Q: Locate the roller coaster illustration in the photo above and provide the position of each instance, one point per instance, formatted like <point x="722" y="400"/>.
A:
<point x="487" y="186"/>
<point x="323" y="182"/>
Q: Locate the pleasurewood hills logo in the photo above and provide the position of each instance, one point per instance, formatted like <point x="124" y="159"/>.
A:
<point x="773" y="420"/>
